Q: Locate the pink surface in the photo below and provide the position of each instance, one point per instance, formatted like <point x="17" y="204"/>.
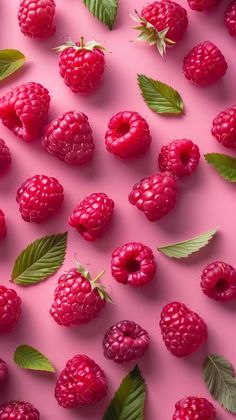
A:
<point x="205" y="201"/>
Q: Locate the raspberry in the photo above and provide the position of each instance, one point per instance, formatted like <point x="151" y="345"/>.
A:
<point x="180" y="157"/>
<point x="133" y="263"/>
<point x="10" y="309"/>
<point x="18" y="410"/>
<point x="39" y="198"/>
<point x="202" y="5"/>
<point x="218" y="281"/>
<point x="125" y="341"/>
<point x="3" y="371"/>
<point x="155" y="195"/>
<point x="3" y="227"/>
<point x="81" y="65"/>
<point x="82" y="382"/>
<point x="128" y="135"/>
<point x="69" y="138"/>
<point x="36" y="18"/>
<point x="24" y="110"/>
<point x="183" y="331"/>
<point x="230" y="18"/>
<point x="92" y="215"/>
<point x="5" y="156"/>
<point x="224" y="127"/>
<point x="194" y="408"/>
<point x="204" y="64"/>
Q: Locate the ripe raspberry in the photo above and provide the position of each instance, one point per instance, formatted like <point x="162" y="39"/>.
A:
<point x="155" y="195"/>
<point x="204" y="64"/>
<point x="81" y="65"/>
<point x="10" y="309"/>
<point x="24" y="110"/>
<point x="133" y="264"/>
<point x="183" y="331"/>
<point x="128" y="135"/>
<point x="3" y="371"/>
<point x="194" y="408"/>
<point x="125" y="341"/>
<point x="18" y="410"/>
<point x="36" y="18"/>
<point x="69" y="138"/>
<point x="3" y="227"/>
<point x="5" y="156"/>
<point x="224" y="127"/>
<point x="92" y="215"/>
<point x="202" y="5"/>
<point x="180" y="157"/>
<point x="82" y="382"/>
<point x="218" y="281"/>
<point x="39" y="198"/>
<point x="230" y="18"/>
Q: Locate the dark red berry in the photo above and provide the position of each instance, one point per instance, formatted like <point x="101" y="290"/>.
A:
<point x="5" y="156"/>
<point x="202" y="5"/>
<point x="180" y="157"/>
<point x="218" y="281"/>
<point x="230" y="18"/>
<point x="3" y="371"/>
<point x="3" y="227"/>
<point x="224" y="127"/>
<point x="36" y="18"/>
<point x="194" y="408"/>
<point x="10" y="309"/>
<point x="18" y="410"/>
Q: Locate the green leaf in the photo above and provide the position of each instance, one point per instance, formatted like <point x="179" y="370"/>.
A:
<point x="29" y="358"/>
<point x="40" y="259"/>
<point x="10" y="61"/>
<point x="219" y="377"/>
<point x="103" y="10"/>
<point x="128" y="402"/>
<point x="159" y="97"/>
<point x="186" y="248"/>
<point x="224" y="164"/>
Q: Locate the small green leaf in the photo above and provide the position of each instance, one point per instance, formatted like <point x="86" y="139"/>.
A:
<point x="186" y="248"/>
<point x="159" y="97"/>
<point x="224" y="164"/>
<point x="103" y="10"/>
<point x="219" y="377"/>
<point x="40" y="259"/>
<point x="128" y="402"/>
<point x="10" y="61"/>
<point x="29" y="358"/>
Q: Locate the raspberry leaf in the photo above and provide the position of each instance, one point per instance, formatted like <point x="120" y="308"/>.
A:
<point x="159" y="97"/>
<point x="10" y="62"/>
<point x="186" y="248"/>
<point x="224" y="164"/>
<point x="29" y="358"/>
<point x="128" y="402"/>
<point x="40" y="259"/>
<point x="103" y="10"/>
<point x="218" y="374"/>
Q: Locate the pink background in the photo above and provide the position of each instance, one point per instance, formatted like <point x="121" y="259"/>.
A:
<point x="205" y="201"/>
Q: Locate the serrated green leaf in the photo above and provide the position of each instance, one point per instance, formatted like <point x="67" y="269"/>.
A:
<point x="29" y="358"/>
<point x="186" y="248"/>
<point x="128" y="402"/>
<point x="10" y="61"/>
<point x="219" y="377"/>
<point x="159" y="97"/>
<point x="40" y="259"/>
<point x="224" y="164"/>
<point x="103" y="10"/>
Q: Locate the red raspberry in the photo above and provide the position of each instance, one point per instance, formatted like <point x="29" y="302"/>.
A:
<point x="230" y="18"/>
<point x="218" y="281"/>
<point x="82" y="382"/>
<point x="133" y="264"/>
<point x="224" y="127"/>
<point x="202" y="5"/>
<point x="180" y="157"/>
<point x="36" y="18"/>
<point x="3" y="227"/>
<point x="155" y="195"/>
<point x="10" y="309"/>
<point x="92" y="215"/>
<point x="39" y="198"/>
<point x="5" y="156"/>
<point x="81" y="65"/>
<point x="69" y="138"/>
<point x="204" y="64"/>
<point x="18" y="410"/>
<point x="128" y="135"/>
<point x="125" y="341"/>
<point x="3" y="371"/>
<point x="194" y="408"/>
<point x="24" y="110"/>
<point x="183" y="331"/>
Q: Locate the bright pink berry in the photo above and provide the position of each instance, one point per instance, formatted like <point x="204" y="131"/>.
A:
<point x="5" y="156"/>
<point x="183" y="331"/>
<point x="155" y="195"/>
<point x="39" y="198"/>
<point x="82" y="382"/>
<point x="202" y="5"/>
<point x="3" y="371"/>
<point x="180" y="157"/>
<point x="36" y="18"/>
<point x="230" y="18"/>
<point x="218" y="281"/>
<point x="69" y="138"/>
<point x="133" y="263"/>
<point x="194" y="408"/>
<point x="92" y="215"/>
<point x="18" y="410"/>
<point x="3" y="227"/>
<point x="224" y="127"/>
<point x="125" y="341"/>
<point x="128" y="135"/>
<point x="204" y="64"/>
<point x="10" y="309"/>
<point x="24" y="110"/>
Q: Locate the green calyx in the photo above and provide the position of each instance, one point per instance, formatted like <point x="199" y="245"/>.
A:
<point x="95" y="282"/>
<point x="89" y="46"/>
